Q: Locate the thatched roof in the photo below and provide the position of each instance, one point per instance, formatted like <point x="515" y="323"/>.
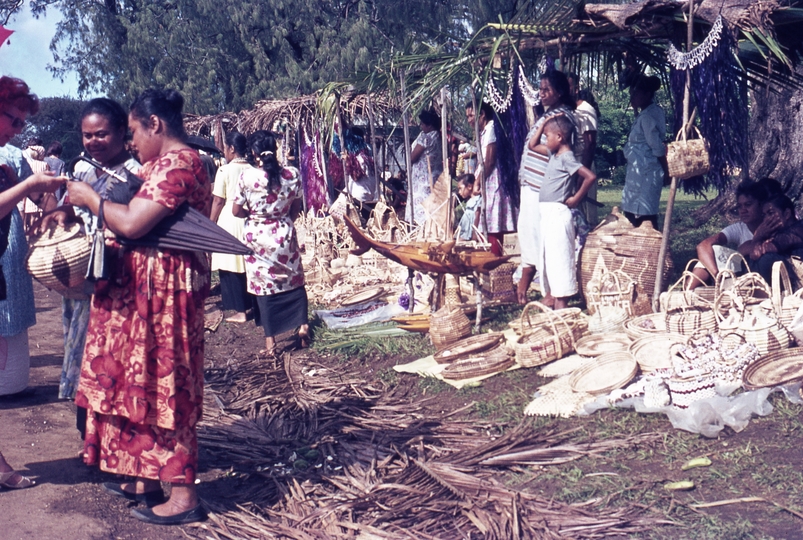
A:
<point x="292" y="112"/>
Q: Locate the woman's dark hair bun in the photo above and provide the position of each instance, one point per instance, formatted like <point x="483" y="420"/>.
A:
<point x="164" y="103"/>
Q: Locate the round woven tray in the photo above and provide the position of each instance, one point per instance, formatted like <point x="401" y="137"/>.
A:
<point x="611" y="371"/>
<point x="467" y="347"/>
<point x="775" y="369"/>
<point x="597" y="344"/>
<point x="654" y="352"/>
<point x="491" y="361"/>
<point x="645" y="325"/>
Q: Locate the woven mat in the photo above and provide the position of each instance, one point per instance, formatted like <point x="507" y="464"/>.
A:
<point x="564" y="366"/>
<point x="557" y="399"/>
<point x="428" y="367"/>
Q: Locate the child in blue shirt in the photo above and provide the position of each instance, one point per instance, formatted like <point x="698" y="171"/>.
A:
<point x="470" y="222"/>
<point x="558" y="196"/>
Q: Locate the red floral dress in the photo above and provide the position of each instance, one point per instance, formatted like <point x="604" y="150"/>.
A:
<point x="142" y="372"/>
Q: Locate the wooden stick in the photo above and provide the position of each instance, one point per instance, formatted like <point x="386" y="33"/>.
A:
<point x="673" y="187"/>
<point x="379" y="180"/>
<point x="407" y="157"/>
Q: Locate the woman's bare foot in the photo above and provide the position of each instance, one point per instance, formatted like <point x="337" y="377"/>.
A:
<point x="239" y="317"/>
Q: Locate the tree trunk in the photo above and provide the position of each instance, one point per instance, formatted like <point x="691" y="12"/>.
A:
<point x="776" y="139"/>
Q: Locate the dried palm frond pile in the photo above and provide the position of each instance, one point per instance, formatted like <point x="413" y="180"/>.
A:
<point x="322" y="454"/>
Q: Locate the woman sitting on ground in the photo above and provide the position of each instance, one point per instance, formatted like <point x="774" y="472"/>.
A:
<point x="782" y="239"/>
<point x="715" y="251"/>
<point x="269" y="198"/>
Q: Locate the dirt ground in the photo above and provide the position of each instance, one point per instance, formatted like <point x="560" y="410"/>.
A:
<point x="38" y="437"/>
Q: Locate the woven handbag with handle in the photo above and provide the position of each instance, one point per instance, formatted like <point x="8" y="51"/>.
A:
<point x="58" y="258"/>
<point x="553" y="340"/>
<point x="687" y="157"/>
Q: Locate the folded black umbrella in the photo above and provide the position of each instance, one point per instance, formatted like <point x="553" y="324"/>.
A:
<point x="186" y="228"/>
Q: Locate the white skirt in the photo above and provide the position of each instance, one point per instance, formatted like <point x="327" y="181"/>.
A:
<point x="15" y="363"/>
<point x="529" y="227"/>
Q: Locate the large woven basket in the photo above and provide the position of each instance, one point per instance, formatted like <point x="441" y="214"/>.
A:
<point x="691" y="320"/>
<point x="531" y="318"/>
<point x="687" y="157"/>
<point x="59" y="257"/>
<point x="491" y="361"/>
<point x="498" y="284"/>
<point x="554" y="339"/>
<point x="447" y="325"/>
<point x="616" y="245"/>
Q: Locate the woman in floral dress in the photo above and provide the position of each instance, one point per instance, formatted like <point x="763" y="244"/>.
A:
<point x="427" y="161"/>
<point x="142" y="371"/>
<point x="269" y="199"/>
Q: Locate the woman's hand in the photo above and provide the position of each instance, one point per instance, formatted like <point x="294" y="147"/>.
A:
<point x="45" y="182"/>
<point x="59" y="216"/>
<point x="771" y="224"/>
<point x="82" y="194"/>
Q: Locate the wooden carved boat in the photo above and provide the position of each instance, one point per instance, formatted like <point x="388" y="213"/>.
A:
<point x="437" y="257"/>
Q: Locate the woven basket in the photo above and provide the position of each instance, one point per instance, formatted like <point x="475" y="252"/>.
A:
<point x="447" y="325"/>
<point x="611" y="288"/>
<point x="687" y="157"/>
<point x="554" y="339"/>
<point x="776" y="369"/>
<point x="498" y="283"/>
<point x="491" y="361"/>
<point x="677" y="296"/>
<point x="686" y="390"/>
<point x="531" y="319"/>
<point x="785" y="303"/>
<point x="691" y="320"/>
<point x="451" y="295"/>
<point x="768" y="335"/>
<point x="616" y="245"/>
<point x="606" y="320"/>
<point x="645" y="325"/>
<point x="59" y="257"/>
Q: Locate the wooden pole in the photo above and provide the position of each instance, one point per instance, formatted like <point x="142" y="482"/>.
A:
<point x="445" y="150"/>
<point x="480" y="161"/>
<point x="670" y="203"/>
<point x="407" y="151"/>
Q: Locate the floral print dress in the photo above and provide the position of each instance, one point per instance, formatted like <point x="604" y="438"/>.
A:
<point x="142" y="371"/>
<point x="275" y="265"/>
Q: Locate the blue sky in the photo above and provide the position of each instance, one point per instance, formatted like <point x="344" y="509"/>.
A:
<point x="28" y="54"/>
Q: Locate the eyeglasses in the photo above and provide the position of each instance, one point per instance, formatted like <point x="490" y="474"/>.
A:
<point x="16" y="122"/>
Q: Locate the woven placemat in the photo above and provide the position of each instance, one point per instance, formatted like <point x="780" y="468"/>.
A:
<point x="363" y="296"/>
<point x="557" y="399"/>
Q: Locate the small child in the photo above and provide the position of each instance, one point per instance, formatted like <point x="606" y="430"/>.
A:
<point x="470" y="222"/>
<point x="557" y="255"/>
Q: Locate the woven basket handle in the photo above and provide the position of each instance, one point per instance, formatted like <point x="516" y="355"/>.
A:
<point x="688" y="126"/>
<point x="781" y="286"/>
<point x="735" y="301"/>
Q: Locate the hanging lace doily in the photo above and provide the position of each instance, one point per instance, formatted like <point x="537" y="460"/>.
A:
<point x="494" y="97"/>
<point x="695" y="57"/>
<point x="530" y="94"/>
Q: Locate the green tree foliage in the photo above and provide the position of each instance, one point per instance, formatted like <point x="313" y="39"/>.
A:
<point x="57" y="120"/>
<point x="228" y="55"/>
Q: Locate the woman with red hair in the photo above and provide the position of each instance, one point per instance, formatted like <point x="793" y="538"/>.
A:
<point x="17" y="311"/>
